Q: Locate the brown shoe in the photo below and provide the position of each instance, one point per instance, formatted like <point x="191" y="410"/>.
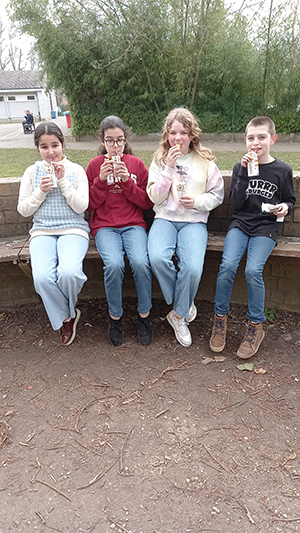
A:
<point x="252" y="340"/>
<point x="218" y="337"/>
<point x="68" y="329"/>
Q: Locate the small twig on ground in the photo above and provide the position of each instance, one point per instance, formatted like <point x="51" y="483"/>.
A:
<point x="38" y="466"/>
<point x="41" y="391"/>
<point x="169" y="369"/>
<point x="291" y="458"/>
<point x="236" y="404"/>
<point x="214" y="458"/>
<point x="100" y="475"/>
<point x="82" y="409"/>
<point x="87" y="448"/>
<point x="122" y="449"/>
<point x="53" y="488"/>
<point x="286" y="519"/>
<point x="246" y="425"/>
<point x="162" y="412"/>
<point x="174" y="484"/>
<point x="93" y="527"/>
<point x="248" y="514"/>
<point x="27" y="440"/>
<point x="40" y="517"/>
<point x="118" y="525"/>
<point x="103" y="472"/>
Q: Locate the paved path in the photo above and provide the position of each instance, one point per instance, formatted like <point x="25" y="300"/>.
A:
<point x="12" y="136"/>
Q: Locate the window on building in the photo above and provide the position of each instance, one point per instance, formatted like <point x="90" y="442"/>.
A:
<point x="1" y="98"/>
<point x="11" y="98"/>
<point x="30" y="97"/>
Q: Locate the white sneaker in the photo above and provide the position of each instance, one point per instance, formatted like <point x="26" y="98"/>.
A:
<point x="192" y="313"/>
<point x="181" y="330"/>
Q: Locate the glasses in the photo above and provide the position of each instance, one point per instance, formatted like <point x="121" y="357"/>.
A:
<point x="110" y="143"/>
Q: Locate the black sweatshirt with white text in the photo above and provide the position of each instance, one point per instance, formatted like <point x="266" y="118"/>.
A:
<point x="274" y="185"/>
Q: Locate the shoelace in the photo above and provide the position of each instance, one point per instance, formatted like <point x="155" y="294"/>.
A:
<point x="219" y="326"/>
<point x="181" y="323"/>
<point x="250" y="334"/>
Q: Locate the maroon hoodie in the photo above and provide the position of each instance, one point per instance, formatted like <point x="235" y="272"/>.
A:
<point x="121" y="203"/>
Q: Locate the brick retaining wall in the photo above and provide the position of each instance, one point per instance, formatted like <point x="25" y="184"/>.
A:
<point x="282" y="275"/>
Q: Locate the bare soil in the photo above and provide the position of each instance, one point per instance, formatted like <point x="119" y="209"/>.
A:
<point x="154" y="439"/>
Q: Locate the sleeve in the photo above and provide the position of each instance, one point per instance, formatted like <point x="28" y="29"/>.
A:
<point x="288" y="192"/>
<point x="136" y="192"/>
<point x="159" y="182"/>
<point x="29" y="199"/>
<point x="214" y="194"/>
<point x="238" y="186"/>
<point x="77" y="197"/>
<point x="98" y="188"/>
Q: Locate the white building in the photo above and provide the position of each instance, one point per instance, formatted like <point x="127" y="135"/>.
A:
<point x="21" y="90"/>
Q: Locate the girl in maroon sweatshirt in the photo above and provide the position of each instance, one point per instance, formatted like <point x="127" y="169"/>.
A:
<point x="118" y="197"/>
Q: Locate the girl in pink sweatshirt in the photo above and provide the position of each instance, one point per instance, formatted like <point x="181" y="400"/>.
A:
<point x="185" y="185"/>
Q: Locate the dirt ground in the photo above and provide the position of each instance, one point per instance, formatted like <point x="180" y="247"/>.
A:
<point x="155" y="439"/>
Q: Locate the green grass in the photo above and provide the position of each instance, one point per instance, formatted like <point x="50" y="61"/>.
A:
<point x="14" y="161"/>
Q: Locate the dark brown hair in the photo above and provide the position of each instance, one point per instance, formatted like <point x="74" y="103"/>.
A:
<point x="48" y="128"/>
<point x="262" y="121"/>
<point x="112" y="122"/>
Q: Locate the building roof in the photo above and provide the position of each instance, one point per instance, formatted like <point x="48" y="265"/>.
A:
<point x="20" y="79"/>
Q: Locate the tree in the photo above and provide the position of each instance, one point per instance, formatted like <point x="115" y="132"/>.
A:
<point x="140" y="58"/>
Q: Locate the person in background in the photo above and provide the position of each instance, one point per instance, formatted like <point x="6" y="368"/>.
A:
<point x="55" y="191"/>
<point x="118" y="197"/>
<point x="185" y="185"/>
<point x="29" y="119"/>
<point x="261" y="196"/>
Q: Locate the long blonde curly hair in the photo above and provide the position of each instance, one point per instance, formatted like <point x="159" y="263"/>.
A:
<point x="188" y="120"/>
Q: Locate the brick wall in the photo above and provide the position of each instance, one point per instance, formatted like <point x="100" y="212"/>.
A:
<point x="281" y="275"/>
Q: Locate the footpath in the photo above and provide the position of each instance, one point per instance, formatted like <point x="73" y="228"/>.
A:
<point x="12" y="136"/>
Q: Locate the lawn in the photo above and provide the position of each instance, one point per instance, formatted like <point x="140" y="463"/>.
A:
<point x="14" y="161"/>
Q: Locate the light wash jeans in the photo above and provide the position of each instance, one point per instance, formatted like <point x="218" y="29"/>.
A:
<point x="189" y="241"/>
<point x="112" y="244"/>
<point x="58" y="277"/>
<point x="258" y="250"/>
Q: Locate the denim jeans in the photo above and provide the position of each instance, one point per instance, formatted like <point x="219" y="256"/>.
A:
<point x="189" y="241"/>
<point x="112" y="244"/>
<point x="258" y="250"/>
<point x="58" y="277"/>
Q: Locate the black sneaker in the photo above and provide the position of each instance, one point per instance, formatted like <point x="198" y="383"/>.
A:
<point x="145" y="332"/>
<point x="115" y="331"/>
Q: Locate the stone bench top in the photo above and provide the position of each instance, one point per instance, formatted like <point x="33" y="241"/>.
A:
<point x="16" y="249"/>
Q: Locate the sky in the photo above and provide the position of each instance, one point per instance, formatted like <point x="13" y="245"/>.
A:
<point x="21" y="42"/>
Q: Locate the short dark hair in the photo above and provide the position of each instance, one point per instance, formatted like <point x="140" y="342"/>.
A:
<point x="261" y="121"/>
<point x="112" y="122"/>
<point x="48" y="128"/>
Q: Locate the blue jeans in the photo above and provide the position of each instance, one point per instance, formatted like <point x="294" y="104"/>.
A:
<point x="112" y="244"/>
<point x="58" y="277"/>
<point x="189" y="241"/>
<point x="258" y="250"/>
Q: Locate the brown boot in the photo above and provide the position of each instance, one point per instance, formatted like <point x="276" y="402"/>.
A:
<point x="252" y="340"/>
<point x="218" y="336"/>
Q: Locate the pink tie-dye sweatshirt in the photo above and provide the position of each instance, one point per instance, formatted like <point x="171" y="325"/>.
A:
<point x="193" y="177"/>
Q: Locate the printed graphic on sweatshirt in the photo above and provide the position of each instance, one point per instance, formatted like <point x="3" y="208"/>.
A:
<point x="262" y="188"/>
<point x="113" y="179"/>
